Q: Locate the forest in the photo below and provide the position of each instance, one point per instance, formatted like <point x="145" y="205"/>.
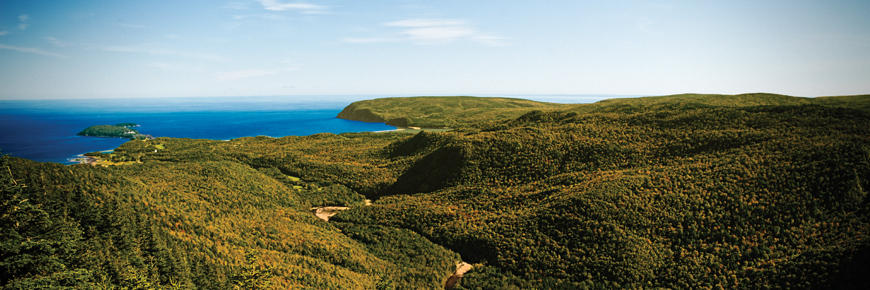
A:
<point x="753" y="191"/>
<point x="121" y="130"/>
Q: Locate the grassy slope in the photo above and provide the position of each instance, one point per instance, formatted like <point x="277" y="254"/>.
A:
<point x="438" y="112"/>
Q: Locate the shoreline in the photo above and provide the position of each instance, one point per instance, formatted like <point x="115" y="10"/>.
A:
<point x="82" y="159"/>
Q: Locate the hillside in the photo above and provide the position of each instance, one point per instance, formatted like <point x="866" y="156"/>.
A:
<point x="117" y="131"/>
<point x="684" y="192"/>
<point x="439" y="112"/>
<point x="742" y="100"/>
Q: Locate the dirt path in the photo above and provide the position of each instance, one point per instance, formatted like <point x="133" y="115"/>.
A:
<point x="461" y="268"/>
<point x="327" y="212"/>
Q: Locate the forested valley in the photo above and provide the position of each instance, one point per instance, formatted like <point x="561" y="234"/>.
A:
<point x="755" y="191"/>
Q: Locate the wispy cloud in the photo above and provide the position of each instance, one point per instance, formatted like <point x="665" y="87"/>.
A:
<point x="30" y="50"/>
<point x="262" y="16"/>
<point x="277" y="5"/>
<point x="426" y="23"/>
<point x="250" y="73"/>
<point x="175" y="66"/>
<point x="128" y="25"/>
<point x="23" y="21"/>
<point x="151" y="51"/>
<point x="433" y="31"/>
<point x="4" y="33"/>
<point x="164" y="52"/>
<point x="57" y="42"/>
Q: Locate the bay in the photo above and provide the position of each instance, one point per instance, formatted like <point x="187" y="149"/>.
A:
<point x="44" y="130"/>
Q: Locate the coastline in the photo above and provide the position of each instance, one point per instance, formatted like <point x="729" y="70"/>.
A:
<point x="82" y="159"/>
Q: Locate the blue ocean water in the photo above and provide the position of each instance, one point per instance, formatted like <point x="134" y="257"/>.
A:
<point x="44" y="130"/>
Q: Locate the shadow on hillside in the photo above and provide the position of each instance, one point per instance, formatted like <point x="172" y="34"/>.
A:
<point x="433" y="172"/>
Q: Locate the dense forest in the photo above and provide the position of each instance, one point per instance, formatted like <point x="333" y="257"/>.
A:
<point x="755" y="191"/>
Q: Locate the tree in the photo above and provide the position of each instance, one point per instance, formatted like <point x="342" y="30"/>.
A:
<point x="34" y="246"/>
<point x="251" y="276"/>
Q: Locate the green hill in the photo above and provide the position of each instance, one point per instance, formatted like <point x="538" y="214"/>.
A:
<point x="742" y="100"/>
<point x="119" y="131"/>
<point x="439" y="112"/>
<point x="683" y="192"/>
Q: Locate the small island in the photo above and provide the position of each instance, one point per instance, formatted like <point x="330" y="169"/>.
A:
<point x="121" y="130"/>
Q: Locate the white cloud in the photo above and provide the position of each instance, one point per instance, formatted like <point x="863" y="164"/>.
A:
<point x="152" y="51"/>
<point x="433" y="31"/>
<point x="23" y="18"/>
<point x="490" y="40"/>
<point x="439" y="34"/>
<point x="249" y="73"/>
<point x="175" y="66"/>
<point x="30" y="50"/>
<point x="4" y="33"/>
<point x="277" y="5"/>
<point x="55" y="41"/>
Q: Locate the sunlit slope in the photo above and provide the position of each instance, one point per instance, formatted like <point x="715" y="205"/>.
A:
<point x="190" y="224"/>
<point x="675" y="102"/>
<point x="857" y="101"/>
<point x="438" y="112"/>
<point x="645" y="196"/>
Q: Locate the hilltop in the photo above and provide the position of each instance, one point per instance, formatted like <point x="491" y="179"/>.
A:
<point x="440" y="112"/>
<point x="684" y="192"/>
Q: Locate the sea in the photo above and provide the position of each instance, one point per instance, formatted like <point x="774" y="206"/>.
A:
<point x="45" y="130"/>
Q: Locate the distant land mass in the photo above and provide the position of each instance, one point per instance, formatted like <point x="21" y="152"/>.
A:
<point x="691" y="191"/>
<point x="121" y="130"/>
<point x="440" y="112"/>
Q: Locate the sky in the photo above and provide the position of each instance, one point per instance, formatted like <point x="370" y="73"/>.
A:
<point x="191" y="48"/>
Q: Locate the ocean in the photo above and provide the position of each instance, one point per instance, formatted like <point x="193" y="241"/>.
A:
<point x="45" y="130"/>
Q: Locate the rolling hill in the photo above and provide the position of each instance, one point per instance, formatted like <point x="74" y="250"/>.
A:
<point x="685" y="191"/>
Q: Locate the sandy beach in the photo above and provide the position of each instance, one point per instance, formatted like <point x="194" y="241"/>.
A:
<point x="82" y="159"/>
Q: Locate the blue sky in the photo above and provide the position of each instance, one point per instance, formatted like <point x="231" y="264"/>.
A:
<point x="121" y="49"/>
